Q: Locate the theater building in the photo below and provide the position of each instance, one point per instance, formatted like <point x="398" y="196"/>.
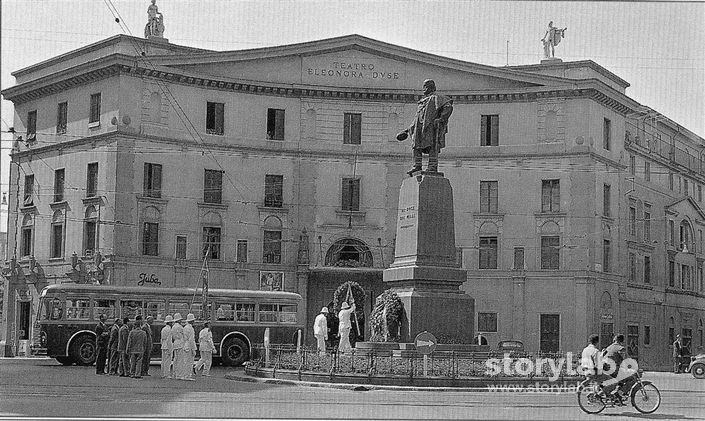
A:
<point x="578" y="210"/>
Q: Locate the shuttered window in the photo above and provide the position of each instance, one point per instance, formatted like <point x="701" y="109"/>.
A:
<point x="215" y="118"/>
<point x="152" y="180"/>
<point x="488" y="196"/>
<point x="352" y="128"/>
<point x="550" y="252"/>
<point x="351" y="194"/>
<point x="550" y="196"/>
<point x="489" y="130"/>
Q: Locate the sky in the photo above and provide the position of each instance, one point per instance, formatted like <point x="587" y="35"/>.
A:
<point x="658" y="47"/>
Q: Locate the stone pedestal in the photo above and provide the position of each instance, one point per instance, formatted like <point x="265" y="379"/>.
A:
<point x="425" y="273"/>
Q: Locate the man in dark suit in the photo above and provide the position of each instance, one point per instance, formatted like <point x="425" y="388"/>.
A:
<point x="102" y="335"/>
<point x="136" y="342"/>
<point x="147" y="327"/>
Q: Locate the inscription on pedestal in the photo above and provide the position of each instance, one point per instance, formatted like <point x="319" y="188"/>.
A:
<point x="407" y="217"/>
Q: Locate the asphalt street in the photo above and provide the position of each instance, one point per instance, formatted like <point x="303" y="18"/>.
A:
<point x="32" y="388"/>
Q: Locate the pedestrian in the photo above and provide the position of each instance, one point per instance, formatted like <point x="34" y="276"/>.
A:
<point x="124" y="358"/>
<point x="114" y="356"/>
<point x="167" y="347"/>
<point x="177" y="334"/>
<point x="147" y="357"/>
<point x="345" y="326"/>
<point x="102" y="335"/>
<point x="206" y="348"/>
<point x="189" y="346"/>
<point x="677" y="346"/>
<point x="136" y="342"/>
<point x="320" y="330"/>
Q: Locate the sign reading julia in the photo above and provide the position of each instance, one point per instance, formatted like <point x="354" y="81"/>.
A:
<point x="355" y="69"/>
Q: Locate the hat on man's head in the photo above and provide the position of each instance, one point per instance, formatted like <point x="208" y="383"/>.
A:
<point x="345" y="305"/>
<point x="177" y="317"/>
<point x="190" y="317"/>
<point x="324" y="310"/>
<point x="168" y="319"/>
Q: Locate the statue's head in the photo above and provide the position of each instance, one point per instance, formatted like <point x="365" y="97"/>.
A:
<point x="550" y="24"/>
<point x="429" y="86"/>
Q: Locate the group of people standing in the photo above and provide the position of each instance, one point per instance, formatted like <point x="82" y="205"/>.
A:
<point x="321" y="328"/>
<point x="127" y="347"/>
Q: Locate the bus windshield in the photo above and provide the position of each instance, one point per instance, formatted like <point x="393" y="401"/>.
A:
<point x="51" y="309"/>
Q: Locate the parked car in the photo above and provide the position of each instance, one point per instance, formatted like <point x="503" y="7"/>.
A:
<point x="697" y="366"/>
<point x="514" y="348"/>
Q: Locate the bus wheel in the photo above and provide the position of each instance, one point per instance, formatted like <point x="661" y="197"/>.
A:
<point x="235" y="352"/>
<point x="83" y="350"/>
<point x="65" y="360"/>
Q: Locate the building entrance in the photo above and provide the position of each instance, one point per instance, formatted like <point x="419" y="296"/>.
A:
<point x="550" y="332"/>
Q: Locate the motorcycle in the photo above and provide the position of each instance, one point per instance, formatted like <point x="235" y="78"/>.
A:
<point x="644" y="396"/>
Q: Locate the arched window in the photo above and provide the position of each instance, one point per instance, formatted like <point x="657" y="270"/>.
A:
<point x="57" y="234"/>
<point x="349" y="252"/>
<point x="686" y="237"/>
<point x="26" y="246"/>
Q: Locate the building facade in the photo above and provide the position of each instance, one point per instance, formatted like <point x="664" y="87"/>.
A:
<point x="578" y="210"/>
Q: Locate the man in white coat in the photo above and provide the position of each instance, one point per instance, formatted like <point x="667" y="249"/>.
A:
<point x="320" y="330"/>
<point x="167" y="347"/>
<point x="177" y="334"/>
<point x="189" y="346"/>
<point x="344" y="326"/>
<point x="206" y="348"/>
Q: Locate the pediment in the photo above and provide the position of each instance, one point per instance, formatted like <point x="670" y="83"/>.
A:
<point x="355" y="62"/>
<point x="687" y="207"/>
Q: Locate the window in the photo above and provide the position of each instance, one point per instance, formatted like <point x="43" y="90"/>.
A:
<point x="671" y="334"/>
<point x="633" y="341"/>
<point x="486" y="322"/>
<point x="59" y="177"/>
<point x="488" y="253"/>
<point x="241" y="255"/>
<point x="185" y="308"/>
<point x="150" y="239"/>
<point x="57" y="235"/>
<point x="273" y="190"/>
<point x="28" y="190"/>
<point x="95" y="110"/>
<point x="550" y="252"/>
<point x="700" y="193"/>
<point x="245" y="312"/>
<point x="606" y="133"/>
<point x="132" y="308"/>
<point x="78" y="308"/>
<point x="647" y="171"/>
<point x="275" y="124"/>
<point x="670" y="181"/>
<point x="27" y="236"/>
<point x="32" y="125"/>
<point x="352" y="129"/>
<point x="518" y="258"/>
<point x="152" y="180"/>
<point x="647" y="223"/>
<point x="632" y="267"/>
<point x="605" y="255"/>
<point x="211" y="242"/>
<point x="351" y="194"/>
<point x="106" y="307"/>
<point x="224" y="312"/>
<point x="671" y="273"/>
<point x="700" y="241"/>
<point x="489" y="130"/>
<point x="672" y="233"/>
<point x="606" y="196"/>
<point x="550" y="196"/>
<point x="647" y="335"/>
<point x="181" y="247"/>
<point x="90" y="230"/>
<point x="687" y="335"/>
<point x="685" y="187"/>
<point x="268" y="313"/>
<point x="215" y="116"/>
<point x="632" y="165"/>
<point x="647" y="269"/>
<point x="488" y="197"/>
<point x="155" y="309"/>
<point x="632" y="221"/>
<point x="62" y="117"/>
<point x="213" y="186"/>
<point x="92" y="179"/>
<point x="272" y="249"/>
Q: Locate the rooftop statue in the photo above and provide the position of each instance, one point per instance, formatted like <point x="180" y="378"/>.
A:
<point x="552" y="38"/>
<point x="155" y="22"/>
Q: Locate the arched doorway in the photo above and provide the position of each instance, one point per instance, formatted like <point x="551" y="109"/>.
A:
<point x="348" y="252"/>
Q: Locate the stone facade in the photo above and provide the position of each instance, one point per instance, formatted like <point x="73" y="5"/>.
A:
<point x="533" y="238"/>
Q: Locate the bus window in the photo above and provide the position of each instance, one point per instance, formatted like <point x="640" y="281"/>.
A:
<point x="245" y="312"/>
<point x="106" y="307"/>
<point x="224" y="312"/>
<point x="131" y="308"/>
<point x="51" y="309"/>
<point x="287" y="313"/>
<point x="155" y="309"/>
<point x="183" y="308"/>
<point x="77" y="308"/>
<point x="267" y="312"/>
